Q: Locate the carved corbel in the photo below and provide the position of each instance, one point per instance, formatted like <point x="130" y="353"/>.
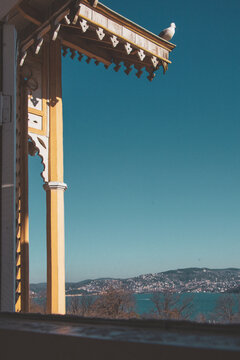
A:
<point x="67" y="20"/>
<point x="84" y="25"/>
<point x="38" y="45"/>
<point x="114" y="40"/>
<point x="154" y="61"/>
<point x="141" y="54"/>
<point x="23" y="57"/>
<point x="128" y="48"/>
<point x="100" y="33"/>
<point x="40" y="144"/>
<point x="56" y="31"/>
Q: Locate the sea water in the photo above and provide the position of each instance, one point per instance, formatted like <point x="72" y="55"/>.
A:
<point x="203" y="303"/>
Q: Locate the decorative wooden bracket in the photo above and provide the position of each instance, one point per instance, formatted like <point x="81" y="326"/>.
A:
<point x="114" y="40"/>
<point x="100" y="33"/>
<point x="84" y="25"/>
<point x="141" y="54"/>
<point x="154" y="61"/>
<point x="41" y="146"/>
<point x="128" y="48"/>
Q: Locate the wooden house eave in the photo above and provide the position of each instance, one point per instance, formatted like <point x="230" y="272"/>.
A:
<point x="94" y="31"/>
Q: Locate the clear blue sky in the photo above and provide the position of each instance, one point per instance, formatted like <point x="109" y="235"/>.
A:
<point x="153" y="169"/>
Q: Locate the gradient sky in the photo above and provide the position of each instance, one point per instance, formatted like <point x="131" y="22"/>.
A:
<point x="153" y="169"/>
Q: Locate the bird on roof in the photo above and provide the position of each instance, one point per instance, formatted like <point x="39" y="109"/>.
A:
<point x="168" y="33"/>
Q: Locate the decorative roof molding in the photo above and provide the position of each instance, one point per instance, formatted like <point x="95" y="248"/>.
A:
<point x="122" y="31"/>
<point x="94" y="30"/>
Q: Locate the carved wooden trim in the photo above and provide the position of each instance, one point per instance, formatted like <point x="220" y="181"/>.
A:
<point x="100" y="33"/>
<point x="41" y="145"/>
<point x="115" y="37"/>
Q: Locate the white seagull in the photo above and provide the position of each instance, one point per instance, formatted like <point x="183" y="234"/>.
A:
<point x="168" y="33"/>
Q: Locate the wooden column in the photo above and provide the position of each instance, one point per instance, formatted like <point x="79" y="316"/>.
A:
<point x="23" y="261"/>
<point x="55" y="188"/>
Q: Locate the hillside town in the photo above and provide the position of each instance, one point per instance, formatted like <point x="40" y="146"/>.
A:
<point x="194" y="280"/>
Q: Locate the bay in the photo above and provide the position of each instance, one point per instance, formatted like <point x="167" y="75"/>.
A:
<point x="203" y="303"/>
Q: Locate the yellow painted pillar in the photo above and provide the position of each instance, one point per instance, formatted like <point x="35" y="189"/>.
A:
<point x="55" y="188"/>
<point x="24" y="219"/>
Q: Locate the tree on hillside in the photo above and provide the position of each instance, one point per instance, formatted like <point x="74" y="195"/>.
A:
<point x="115" y="304"/>
<point x="224" y="310"/>
<point x="112" y="303"/>
<point x="80" y="305"/>
<point x="172" y="306"/>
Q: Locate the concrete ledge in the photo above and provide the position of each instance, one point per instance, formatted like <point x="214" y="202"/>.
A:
<point x="35" y="336"/>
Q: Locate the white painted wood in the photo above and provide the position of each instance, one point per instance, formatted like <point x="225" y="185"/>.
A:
<point x="114" y="40"/>
<point x="84" y="25"/>
<point x="85" y="11"/>
<point x="41" y="144"/>
<point x="91" y="15"/>
<point x="39" y="45"/>
<point x="56" y="31"/>
<point x="129" y="35"/>
<point x="23" y="57"/>
<point x="154" y="61"/>
<point x="142" y="42"/>
<point x="114" y="27"/>
<point x="99" y="19"/>
<point x="141" y="54"/>
<point x="100" y="33"/>
<point x="128" y="48"/>
<point x="35" y="121"/>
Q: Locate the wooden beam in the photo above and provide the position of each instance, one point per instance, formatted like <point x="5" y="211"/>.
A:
<point x="45" y="26"/>
<point x="88" y="50"/>
<point x="30" y="14"/>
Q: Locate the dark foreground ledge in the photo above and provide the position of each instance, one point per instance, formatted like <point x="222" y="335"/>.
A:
<point x="35" y="336"/>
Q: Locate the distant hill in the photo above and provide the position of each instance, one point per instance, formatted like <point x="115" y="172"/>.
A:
<point x="194" y="280"/>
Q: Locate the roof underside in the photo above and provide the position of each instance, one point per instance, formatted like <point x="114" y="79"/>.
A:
<point x="89" y="28"/>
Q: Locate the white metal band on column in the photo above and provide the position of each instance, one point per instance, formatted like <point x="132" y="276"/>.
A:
<point x="55" y="185"/>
